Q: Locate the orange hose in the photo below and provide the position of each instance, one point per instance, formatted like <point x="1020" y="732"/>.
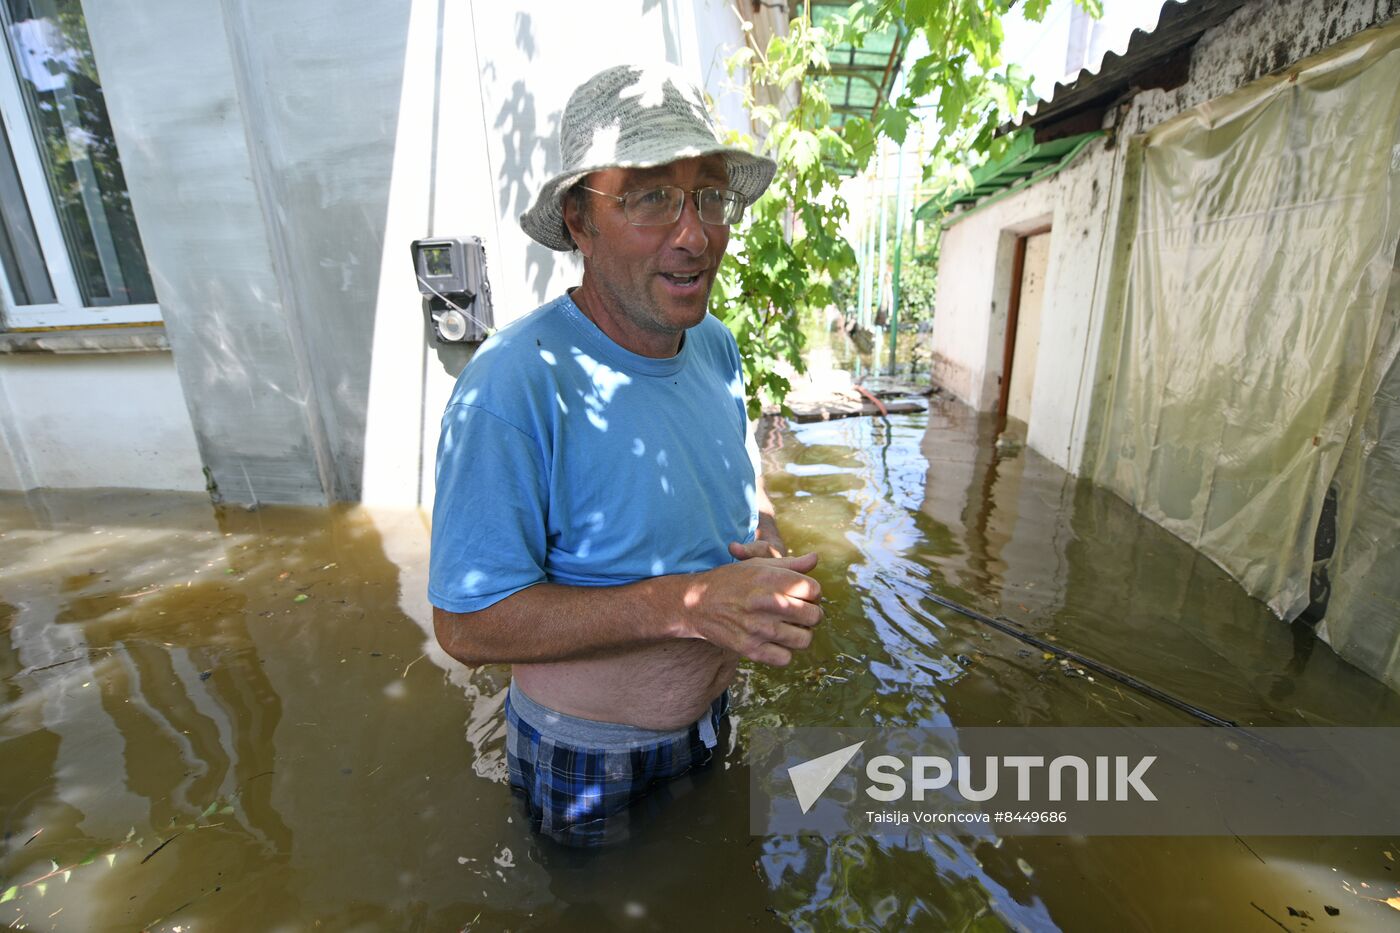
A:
<point x="884" y="412"/>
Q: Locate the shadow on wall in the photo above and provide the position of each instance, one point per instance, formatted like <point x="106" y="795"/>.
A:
<point x="523" y="143"/>
<point x="275" y="280"/>
<point x="668" y="27"/>
<point x="525" y="35"/>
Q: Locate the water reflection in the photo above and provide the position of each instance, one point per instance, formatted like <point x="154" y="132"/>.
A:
<point x="247" y="689"/>
<point x="259" y="693"/>
<point x="915" y="506"/>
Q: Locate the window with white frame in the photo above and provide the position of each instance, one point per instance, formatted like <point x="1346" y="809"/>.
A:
<point x="69" y="247"/>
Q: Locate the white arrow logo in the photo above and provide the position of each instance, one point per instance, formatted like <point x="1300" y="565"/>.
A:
<point x="811" y="778"/>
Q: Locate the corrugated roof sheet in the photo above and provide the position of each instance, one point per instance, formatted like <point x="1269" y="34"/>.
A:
<point x="1152" y="59"/>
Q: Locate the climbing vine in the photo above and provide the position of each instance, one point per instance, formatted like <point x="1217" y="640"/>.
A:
<point x="790" y="250"/>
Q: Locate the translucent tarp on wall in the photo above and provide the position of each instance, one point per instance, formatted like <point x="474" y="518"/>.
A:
<point x="1256" y="359"/>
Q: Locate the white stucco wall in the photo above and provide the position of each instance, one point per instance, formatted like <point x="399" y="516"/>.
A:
<point x="1083" y="204"/>
<point x="81" y="420"/>
<point x="974" y="289"/>
<point x="502" y="91"/>
<point x="280" y="161"/>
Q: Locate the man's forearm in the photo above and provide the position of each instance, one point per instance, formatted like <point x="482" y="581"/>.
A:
<point x="762" y="608"/>
<point x="767" y="520"/>
<point x="551" y="622"/>
<point x="768" y="531"/>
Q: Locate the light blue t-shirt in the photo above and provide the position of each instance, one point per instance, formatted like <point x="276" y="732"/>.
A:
<point x="567" y="458"/>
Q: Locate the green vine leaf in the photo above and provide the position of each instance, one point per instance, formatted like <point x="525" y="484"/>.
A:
<point x="789" y="258"/>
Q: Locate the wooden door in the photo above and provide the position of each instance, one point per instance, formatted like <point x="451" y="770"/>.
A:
<point x="1023" y="325"/>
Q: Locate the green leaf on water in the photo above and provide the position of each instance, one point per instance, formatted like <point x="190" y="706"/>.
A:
<point x="41" y="888"/>
<point x="301" y="598"/>
<point x="9" y="894"/>
<point x="209" y="809"/>
<point x="90" y="857"/>
<point x="225" y="811"/>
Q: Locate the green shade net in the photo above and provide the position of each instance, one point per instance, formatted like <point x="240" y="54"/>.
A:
<point x="1253" y="365"/>
<point x="861" y="75"/>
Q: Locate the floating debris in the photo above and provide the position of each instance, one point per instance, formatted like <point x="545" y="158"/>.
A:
<point x="161" y="846"/>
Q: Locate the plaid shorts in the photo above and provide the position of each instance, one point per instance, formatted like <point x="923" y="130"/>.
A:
<point x="580" y="795"/>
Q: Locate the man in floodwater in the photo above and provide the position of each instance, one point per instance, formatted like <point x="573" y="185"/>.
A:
<point x="599" y="523"/>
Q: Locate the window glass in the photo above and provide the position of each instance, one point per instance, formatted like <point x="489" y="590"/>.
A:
<point x="63" y="98"/>
<point x="20" y="252"/>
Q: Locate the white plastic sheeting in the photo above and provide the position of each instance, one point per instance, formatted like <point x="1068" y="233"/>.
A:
<point x="1363" y="615"/>
<point x="1255" y="363"/>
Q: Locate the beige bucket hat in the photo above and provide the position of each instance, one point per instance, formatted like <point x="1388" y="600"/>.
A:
<point x="634" y="116"/>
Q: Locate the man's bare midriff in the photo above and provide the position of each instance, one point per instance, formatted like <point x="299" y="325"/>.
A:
<point x="664" y="686"/>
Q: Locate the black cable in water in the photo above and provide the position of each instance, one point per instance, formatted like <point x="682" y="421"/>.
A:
<point x="1127" y="680"/>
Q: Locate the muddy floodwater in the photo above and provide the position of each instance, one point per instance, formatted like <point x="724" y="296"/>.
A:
<point x="221" y="719"/>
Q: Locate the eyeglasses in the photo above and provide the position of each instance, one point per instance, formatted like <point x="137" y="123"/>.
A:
<point x="654" y="207"/>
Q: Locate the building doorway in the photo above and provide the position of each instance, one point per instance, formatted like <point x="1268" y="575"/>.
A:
<point x="1029" y="266"/>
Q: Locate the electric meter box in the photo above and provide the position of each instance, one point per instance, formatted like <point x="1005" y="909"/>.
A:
<point x="451" y="275"/>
